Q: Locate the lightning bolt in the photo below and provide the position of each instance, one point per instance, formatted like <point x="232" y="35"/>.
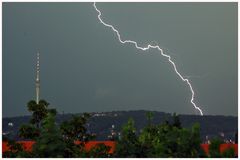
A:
<point x="149" y="46"/>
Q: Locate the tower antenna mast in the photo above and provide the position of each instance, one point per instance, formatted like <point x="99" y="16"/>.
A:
<point x="38" y="78"/>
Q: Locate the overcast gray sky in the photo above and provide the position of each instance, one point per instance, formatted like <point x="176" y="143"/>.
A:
<point x="84" y="68"/>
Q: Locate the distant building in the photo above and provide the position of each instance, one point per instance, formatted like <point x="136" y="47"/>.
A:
<point x="10" y="124"/>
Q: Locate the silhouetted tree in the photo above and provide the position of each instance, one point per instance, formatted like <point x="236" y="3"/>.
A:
<point x="29" y="131"/>
<point x="74" y="130"/>
<point x="128" y="145"/>
<point x="50" y="143"/>
<point x="39" y="111"/>
<point x="163" y="140"/>
<point x="99" y="151"/>
<point x="149" y="117"/>
<point x="16" y="150"/>
<point x="214" y="148"/>
<point x="228" y="153"/>
<point x="53" y="141"/>
<point x="176" y="121"/>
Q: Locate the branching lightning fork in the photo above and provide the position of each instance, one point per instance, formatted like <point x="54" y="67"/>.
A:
<point x="146" y="48"/>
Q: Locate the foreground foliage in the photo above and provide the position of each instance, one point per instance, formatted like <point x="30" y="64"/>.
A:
<point x="168" y="139"/>
<point x="163" y="140"/>
<point x="54" y="141"/>
<point x="214" y="150"/>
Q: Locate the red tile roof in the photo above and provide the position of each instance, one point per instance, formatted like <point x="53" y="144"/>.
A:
<point x="223" y="147"/>
<point x="27" y="145"/>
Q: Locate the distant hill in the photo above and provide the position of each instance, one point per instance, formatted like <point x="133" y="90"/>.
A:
<point x="102" y="123"/>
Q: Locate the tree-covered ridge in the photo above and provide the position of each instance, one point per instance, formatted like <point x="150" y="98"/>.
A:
<point x="167" y="139"/>
<point x="101" y="123"/>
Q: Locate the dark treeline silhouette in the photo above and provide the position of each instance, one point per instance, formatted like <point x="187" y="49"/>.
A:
<point x="211" y="126"/>
<point x="52" y="140"/>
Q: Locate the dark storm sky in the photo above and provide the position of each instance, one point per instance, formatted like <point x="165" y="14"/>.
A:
<point x="84" y="68"/>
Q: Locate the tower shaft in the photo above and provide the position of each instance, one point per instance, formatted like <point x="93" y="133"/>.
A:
<point x="38" y="78"/>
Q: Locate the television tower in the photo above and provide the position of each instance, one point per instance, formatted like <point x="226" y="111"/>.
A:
<point x="38" y="79"/>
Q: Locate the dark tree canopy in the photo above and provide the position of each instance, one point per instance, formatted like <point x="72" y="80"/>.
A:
<point x="68" y="140"/>
<point x="51" y="140"/>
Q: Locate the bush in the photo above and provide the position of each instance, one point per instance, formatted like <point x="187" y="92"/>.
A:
<point x="163" y="140"/>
